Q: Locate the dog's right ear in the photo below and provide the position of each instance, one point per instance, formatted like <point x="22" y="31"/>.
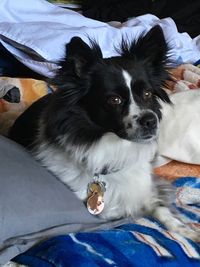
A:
<point x="81" y="55"/>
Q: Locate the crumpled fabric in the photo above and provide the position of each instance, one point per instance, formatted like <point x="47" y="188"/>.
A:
<point x="36" y="33"/>
<point x="180" y="127"/>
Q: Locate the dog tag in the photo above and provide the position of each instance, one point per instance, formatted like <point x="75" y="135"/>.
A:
<point x="95" y="201"/>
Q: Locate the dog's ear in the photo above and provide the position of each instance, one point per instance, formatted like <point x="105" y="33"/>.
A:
<point x="151" y="47"/>
<point x="81" y="55"/>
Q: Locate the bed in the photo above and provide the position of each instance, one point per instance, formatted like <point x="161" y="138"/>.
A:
<point x="42" y="223"/>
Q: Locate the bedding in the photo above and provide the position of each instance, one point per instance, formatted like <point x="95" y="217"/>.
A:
<point x="28" y="32"/>
<point x="143" y="243"/>
<point x="48" y="211"/>
<point x="10" y="111"/>
<point x="179" y="140"/>
<point x="34" y="204"/>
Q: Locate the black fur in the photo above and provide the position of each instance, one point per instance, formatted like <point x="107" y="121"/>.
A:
<point x="79" y="108"/>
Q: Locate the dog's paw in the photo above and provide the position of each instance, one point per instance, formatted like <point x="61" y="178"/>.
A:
<point x="174" y="224"/>
<point x="187" y="232"/>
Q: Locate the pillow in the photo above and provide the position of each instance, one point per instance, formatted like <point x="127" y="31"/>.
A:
<point x="33" y="203"/>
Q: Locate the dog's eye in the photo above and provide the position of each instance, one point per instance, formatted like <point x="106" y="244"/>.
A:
<point x="114" y="100"/>
<point x="147" y="95"/>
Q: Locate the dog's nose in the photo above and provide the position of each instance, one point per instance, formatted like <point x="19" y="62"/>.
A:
<point x="148" y="121"/>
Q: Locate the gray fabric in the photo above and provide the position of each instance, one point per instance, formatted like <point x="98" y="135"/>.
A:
<point x="32" y="200"/>
<point x="35" y="205"/>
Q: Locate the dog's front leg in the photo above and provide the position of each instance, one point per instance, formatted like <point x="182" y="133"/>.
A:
<point x="173" y="223"/>
<point x="159" y="207"/>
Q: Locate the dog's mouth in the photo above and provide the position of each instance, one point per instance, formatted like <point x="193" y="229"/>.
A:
<point x="143" y="138"/>
<point x="146" y="138"/>
<point x="139" y="135"/>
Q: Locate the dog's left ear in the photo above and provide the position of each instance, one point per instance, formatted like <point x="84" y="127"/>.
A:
<point x="151" y="47"/>
<point x="81" y="55"/>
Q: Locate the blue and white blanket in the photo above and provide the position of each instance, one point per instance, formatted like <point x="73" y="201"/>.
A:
<point x="144" y="243"/>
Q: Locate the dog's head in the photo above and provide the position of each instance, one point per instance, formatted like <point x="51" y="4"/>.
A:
<point x="119" y="94"/>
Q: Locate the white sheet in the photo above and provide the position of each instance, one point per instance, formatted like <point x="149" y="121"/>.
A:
<point x="180" y="128"/>
<point x="44" y="28"/>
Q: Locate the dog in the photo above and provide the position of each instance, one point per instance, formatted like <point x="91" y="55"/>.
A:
<point x="100" y="128"/>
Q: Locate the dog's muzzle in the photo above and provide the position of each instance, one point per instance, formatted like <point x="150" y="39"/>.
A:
<point x="143" y="127"/>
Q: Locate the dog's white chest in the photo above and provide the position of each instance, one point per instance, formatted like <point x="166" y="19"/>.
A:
<point x="127" y="193"/>
<point x="127" y="190"/>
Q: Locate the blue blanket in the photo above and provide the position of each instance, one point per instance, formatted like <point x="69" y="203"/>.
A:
<point x="144" y="243"/>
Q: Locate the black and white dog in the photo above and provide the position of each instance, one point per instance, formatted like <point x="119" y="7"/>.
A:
<point x="103" y="121"/>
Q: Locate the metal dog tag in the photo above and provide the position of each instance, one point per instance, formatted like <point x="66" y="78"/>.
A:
<point x="95" y="201"/>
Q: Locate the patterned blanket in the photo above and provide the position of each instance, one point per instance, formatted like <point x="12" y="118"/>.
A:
<point x="144" y="243"/>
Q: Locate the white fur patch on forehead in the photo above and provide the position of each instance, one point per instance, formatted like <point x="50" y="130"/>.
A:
<point x="127" y="78"/>
<point x="133" y="107"/>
